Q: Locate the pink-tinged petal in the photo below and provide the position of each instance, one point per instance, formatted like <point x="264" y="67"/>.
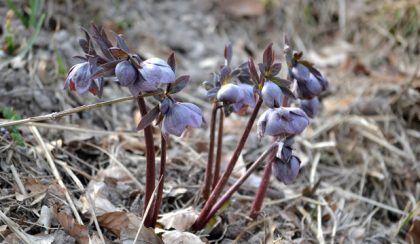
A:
<point x="271" y="94"/>
<point x="179" y="116"/>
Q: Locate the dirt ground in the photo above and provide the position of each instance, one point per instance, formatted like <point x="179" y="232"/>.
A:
<point x="360" y="174"/>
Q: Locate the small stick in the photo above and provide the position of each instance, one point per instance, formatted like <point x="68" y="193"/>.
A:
<point x="18" y="181"/>
<point x="55" y="172"/>
<point x="209" y="174"/>
<point x="57" y="115"/>
<point x="15" y="228"/>
<point x="219" y="149"/>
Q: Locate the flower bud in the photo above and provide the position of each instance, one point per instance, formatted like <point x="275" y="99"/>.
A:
<point x="286" y="171"/>
<point x="156" y="71"/>
<point x="126" y="73"/>
<point x="283" y="121"/>
<point x="271" y="94"/>
<point x="179" y="116"/>
<point x="78" y="79"/>
<point x="310" y="82"/>
<point x="311" y="106"/>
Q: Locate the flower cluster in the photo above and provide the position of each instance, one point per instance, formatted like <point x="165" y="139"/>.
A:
<point x="140" y="77"/>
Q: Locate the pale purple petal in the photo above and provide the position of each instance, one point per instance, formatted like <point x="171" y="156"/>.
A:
<point x="156" y="70"/>
<point x="230" y="93"/>
<point x="249" y="98"/>
<point x="126" y="73"/>
<point x="271" y="94"/>
<point x="286" y="172"/>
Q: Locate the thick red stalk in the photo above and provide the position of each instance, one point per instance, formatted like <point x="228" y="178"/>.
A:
<point x="150" y="159"/>
<point x="240" y="181"/>
<point x="200" y="221"/>
<point x="219" y="149"/>
<point x="159" y="193"/>
<point x="209" y="170"/>
<point x="262" y="189"/>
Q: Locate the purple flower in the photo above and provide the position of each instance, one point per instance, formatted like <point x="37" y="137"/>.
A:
<point x="179" y="116"/>
<point x="271" y="94"/>
<point x="286" y="170"/>
<point x="79" y="79"/>
<point x="311" y="107"/>
<point x="126" y="73"/>
<point x="240" y="97"/>
<point x="156" y="71"/>
<point x="283" y="121"/>
<point x="310" y="81"/>
<point x="230" y="93"/>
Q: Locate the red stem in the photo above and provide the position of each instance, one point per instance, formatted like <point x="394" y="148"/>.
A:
<point x="219" y="149"/>
<point x="159" y="193"/>
<point x="200" y="221"/>
<point x="240" y="181"/>
<point x="262" y="189"/>
<point x="209" y="174"/>
<point x="150" y="160"/>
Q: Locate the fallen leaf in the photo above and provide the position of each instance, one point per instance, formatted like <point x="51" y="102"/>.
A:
<point x="125" y="226"/>
<point x="66" y="220"/>
<point x="98" y="193"/>
<point x="175" y="236"/>
<point x="413" y="235"/>
<point x="180" y="220"/>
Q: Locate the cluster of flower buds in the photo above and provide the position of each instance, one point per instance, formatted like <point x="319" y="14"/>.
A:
<point x="116" y="62"/>
<point x="227" y="87"/>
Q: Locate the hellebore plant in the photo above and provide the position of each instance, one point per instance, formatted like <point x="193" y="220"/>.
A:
<point x="143" y="78"/>
<point x="231" y="91"/>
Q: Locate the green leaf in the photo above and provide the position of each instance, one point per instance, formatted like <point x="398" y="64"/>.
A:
<point x="33" y="37"/>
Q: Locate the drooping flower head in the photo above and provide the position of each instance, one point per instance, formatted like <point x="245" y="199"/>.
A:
<point x="311" y="106"/>
<point x="79" y="79"/>
<point x="283" y="121"/>
<point x="178" y="116"/>
<point x="310" y="82"/>
<point x="271" y="94"/>
<point x="286" y="165"/>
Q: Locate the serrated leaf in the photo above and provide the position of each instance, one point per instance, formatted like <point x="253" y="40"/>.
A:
<point x="280" y="82"/>
<point x="105" y="70"/>
<point x="228" y="53"/>
<point x="120" y="42"/>
<point x="253" y="71"/>
<point x="172" y="62"/>
<point x="98" y="34"/>
<point x="118" y="53"/>
<point x="288" y="92"/>
<point x="261" y="67"/>
<point x="179" y="84"/>
<point x="275" y="69"/>
<point x="268" y="56"/>
<point x="148" y="118"/>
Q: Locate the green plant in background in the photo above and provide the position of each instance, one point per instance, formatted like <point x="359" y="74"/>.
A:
<point x="10" y="114"/>
<point x="30" y="20"/>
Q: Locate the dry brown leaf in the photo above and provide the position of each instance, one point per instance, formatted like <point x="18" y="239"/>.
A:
<point x="78" y="231"/>
<point x="413" y="235"/>
<point x="97" y="191"/>
<point x="175" y="236"/>
<point x="180" y="220"/>
<point x="125" y="226"/>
